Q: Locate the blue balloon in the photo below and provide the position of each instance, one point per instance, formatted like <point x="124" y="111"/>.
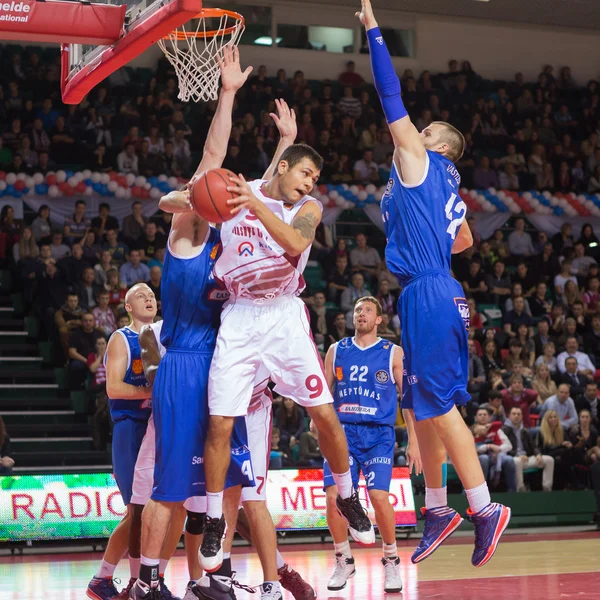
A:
<point x="10" y="190"/>
<point x="371" y="199"/>
<point x="25" y="190"/>
<point x="39" y="189"/>
<point x="339" y="189"/>
<point x="329" y="187"/>
<point x="89" y="181"/>
<point x="558" y="211"/>
<point x="360" y="204"/>
<point x="153" y="181"/>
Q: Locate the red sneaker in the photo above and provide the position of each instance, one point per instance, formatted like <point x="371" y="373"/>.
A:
<point x="292" y="582"/>
<point x="124" y="593"/>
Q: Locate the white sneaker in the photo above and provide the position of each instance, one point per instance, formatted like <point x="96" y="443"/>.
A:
<point x="391" y="572"/>
<point x="344" y="570"/>
<point x="189" y="595"/>
<point x="270" y="591"/>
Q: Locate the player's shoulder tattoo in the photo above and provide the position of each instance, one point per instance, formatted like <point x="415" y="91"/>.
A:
<point x="306" y="225"/>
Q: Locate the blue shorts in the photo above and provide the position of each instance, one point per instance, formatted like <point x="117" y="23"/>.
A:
<point x="371" y="449"/>
<point x="180" y="408"/>
<point x="434" y="317"/>
<point x="127" y="439"/>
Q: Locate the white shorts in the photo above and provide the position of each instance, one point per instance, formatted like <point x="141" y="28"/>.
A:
<point x="258" y="426"/>
<point x="273" y="337"/>
<point x="143" y="477"/>
<point x="195" y="504"/>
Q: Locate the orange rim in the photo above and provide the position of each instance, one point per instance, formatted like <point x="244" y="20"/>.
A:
<point x="208" y="13"/>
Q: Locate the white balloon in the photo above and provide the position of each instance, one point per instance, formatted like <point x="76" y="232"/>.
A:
<point x="362" y="195"/>
<point x="563" y="203"/>
<point x="29" y="181"/>
<point x="120" y="192"/>
<point x="112" y="186"/>
<point x="96" y="177"/>
<point x="72" y="181"/>
<point x="88" y="191"/>
<point x="38" y="178"/>
<point x="553" y="201"/>
<point x="379" y="194"/>
<point x="339" y="201"/>
<point x="527" y="196"/>
<point x="11" y="179"/>
<point x="480" y="200"/>
<point x="155" y="193"/>
<point x="140" y="180"/>
<point x="147" y="186"/>
<point x="127" y="193"/>
<point x="502" y="195"/>
<point x="86" y="174"/>
<point x="130" y="178"/>
<point x="2" y="186"/>
<point x="588" y="204"/>
<point x="345" y="187"/>
<point x="172" y="183"/>
<point x="31" y="191"/>
<point x="22" y="176"/>
<point x="61" y="176"/>
<point x="104" y="178"/>
<point x="515" y="209"/>
<point x="77" y="177"/>
<point x="370" y="189"/>
<point x="53" y="191"/>
<point x="333" y="194"/>
<point x="473" y="194"/>
<point x="354" y="190"/>
<point x="161" y="178"/>
<point x="348" y="204"/>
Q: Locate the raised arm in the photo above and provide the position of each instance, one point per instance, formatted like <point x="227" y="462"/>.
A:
<point x="410" y="151"/>
<point x="116" y="367"/>
<point x="285" y="120"/>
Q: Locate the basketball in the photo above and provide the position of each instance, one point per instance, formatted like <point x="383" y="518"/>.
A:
<point x="209" y="195"/>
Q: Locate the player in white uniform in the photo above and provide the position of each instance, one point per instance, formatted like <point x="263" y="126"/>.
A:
<point x="265" y="326"/>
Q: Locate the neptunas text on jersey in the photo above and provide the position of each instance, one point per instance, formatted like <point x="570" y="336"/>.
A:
<point x="358" y="391"/>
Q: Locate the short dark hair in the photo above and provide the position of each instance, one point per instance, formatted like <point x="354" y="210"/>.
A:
<point x="514" y="343"/>
<point x="492" y="394"/>
<point x="79" y="202"/>
<point x="295" y="153"/>
<point x="104" y="205"/>
<point x="372" y="300"/>
<point x="515" y="408"/>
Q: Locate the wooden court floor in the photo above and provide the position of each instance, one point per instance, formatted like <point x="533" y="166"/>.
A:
<point x="532" y="567"/>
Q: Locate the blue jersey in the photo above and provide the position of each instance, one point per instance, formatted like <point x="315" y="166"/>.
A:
<point x="191" y="298"/>
<point x="132" y="409"/>
<point x="422" y="221"/>
<point x="365" y="389"/>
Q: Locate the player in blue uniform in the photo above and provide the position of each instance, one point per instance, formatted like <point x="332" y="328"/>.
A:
<point x="129" y="401"/>
<point x="191" y="306"/>
<point x="424" y="219"/>
<point x="363" y="372"/>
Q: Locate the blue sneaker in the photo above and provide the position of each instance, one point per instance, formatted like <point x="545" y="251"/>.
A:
<point x="165" y="592"/>
<point x="440" y="523"/>
<point x="101" y="588"/>
<point x="490" y="523"/>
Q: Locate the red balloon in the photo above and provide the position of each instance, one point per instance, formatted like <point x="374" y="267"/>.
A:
<point x="2" y="175"/>
<point x="51" y="179"/>
<point x="63" y="186"/>
<point x="19" y="185"/>
<point x="113" y="175"/>
<point x="122" y="181"/>
<point x="80" y="187"/>
<point x="145" y="193"/>
<point x="136" y="191"/>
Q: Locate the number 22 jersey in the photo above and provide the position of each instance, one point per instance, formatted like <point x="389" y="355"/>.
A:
<point x="421" y="221"/>
<point x="365" y="388"/>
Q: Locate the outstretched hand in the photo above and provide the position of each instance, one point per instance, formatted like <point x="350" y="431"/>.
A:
<point x="285" y="120"/>
<point x="365" y="15"/>
<point x="232" y="76"/>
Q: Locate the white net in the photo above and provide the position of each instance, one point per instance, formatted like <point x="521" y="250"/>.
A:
<point x="193" y="53"/>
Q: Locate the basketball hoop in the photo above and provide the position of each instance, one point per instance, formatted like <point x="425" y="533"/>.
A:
<point x="193" y="52"/>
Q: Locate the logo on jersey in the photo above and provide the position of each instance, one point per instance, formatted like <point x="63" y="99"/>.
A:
<point x="389" y="187"/>
<point x="218" y="295"/>
<point x="137" y="367"/>
<point x="346" y="342"/>
<point x="379" y="40"/>
<point x="463" y="310"/>
<point x="251" y="216"/>
<point x="382" y="376"/>
<point x="339" y="373"/>
<point x="240" y="450"/>
<point x="357" y="409"/>
<point x="215" y="251"/>
<point x="246" y="249"/>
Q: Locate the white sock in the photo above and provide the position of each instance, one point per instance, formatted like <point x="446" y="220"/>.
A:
<point x="280" y="561"/>
<point x="389" y="550"/>
<point x="162" y="566"/>
<point x="436" y="497"/>
<point x="134" y="567"/>
<point x="106" y="569"/>
<point x="343" y="549"/>
<point x="478" y="497"/>
<point x="343" y="481"/>
<point x="214" y="504"/>
<point x="226" y="555"/>
<point x="149" y="562"/>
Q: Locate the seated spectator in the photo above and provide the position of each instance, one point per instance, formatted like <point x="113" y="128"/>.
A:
<point x="572" y="378"/>
<point x="591" y="297"/>
<point x="105" y="318"/>
<point x="277" y="456"/>
<point x="104" y="221"/>
<point x="385" y="331"/>
<point x="291" y="421"/>
<point x="513" y="158"/>
<point x="491" y="357"/>
<point x="340" y="329"/>
<point x="485" y="177"/>
<point x="584" y="364"/>
<point x="364" y="258"/>
<point x="524" y="451"/>
<point x="57" y="248"/>
<point x="563" y="405"/>
<point x="74" y="265"/>
<point x="474" y="283"/>
<point x="517" y="316"/>
<point x="6" y="462"/>
<point x="581" y="262"/>
<point x="543" y="383"/>
<point x="82" y="343"/>
<point x="350" y="78"/>
<point x="494" y="406"/>
<point x="584" y="437"/>
<point x="154" y="283"/>
<point x="528" y="352"/>
<point x="117" y="291"/>
<point x="492" y="448"/>
<point x="102" y="268"/>
<point x="551" y="442"/>
<point x="498" y="283"/>
<point x="475" y="319"/>
<point x="517" y="353"/>
<point x="87" y="290"/>
<point x="91" y="249"/>
<point x="118" y="250"/>
<point x="518" y="396"/>
<point x="548" y="358"/>
<point x="561" y="279"/>
<point x="496" y="381"/>
<point x="366" y="170"/>
<point x="150" y="241"/>
<point x="181" y="149"/>
<point x="77" y="225"/>
<point x="158" y="260"/>
<point x="41" y="226"/>
<point x="476" y="375"/>
<point x="352" y="293"/>
<point x="542" y="337"/>
<point x="127" y="160"/>
<point x="309" y="446"/>
<point x="517" y="290"/>
<point x="349" y="105"/>
<point x="589" y="401"/>
<point x="538" y="303"/>
<point x="571" y="295"/>
<point x="67" y="319"/>
<point x="508" y="178"/>
<point x="526" y="278"/>
<point x="519" y="242"/>
<point x="557" y="320"/>
<point x="134" y="225"/>
<point x="387" y="299"/>
<point x="318" y="320"/>
<point x="134" y="270"/>
<point x="101" y="421"/>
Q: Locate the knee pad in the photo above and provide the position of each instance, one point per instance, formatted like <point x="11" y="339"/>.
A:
<point x="195" y="523"/>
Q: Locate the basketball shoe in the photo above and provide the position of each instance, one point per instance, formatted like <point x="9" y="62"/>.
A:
<point x="359" y="524"/>
<point x="189" y="594"/>
<point x="165" y="592"/>
<point x="344" y="570"/>
<point x="124" y="593"/>
<point x="270" y="591"/>
<point x="101" y="588"/>
<point x="292" y="581"/>
<point x="142" y="591"/>
<point x="391" y="573"/>
<point x="490" y="523"/>
<point x="218" y="587"/>
<point x="211" y="550"/>
<point x="440" y="523"/>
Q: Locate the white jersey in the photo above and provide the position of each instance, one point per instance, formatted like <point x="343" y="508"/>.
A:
<point x="156" y="328"/>
<point x="254" y="266"/>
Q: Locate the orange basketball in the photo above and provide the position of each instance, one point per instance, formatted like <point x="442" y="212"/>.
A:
<point x="209" y="195"/>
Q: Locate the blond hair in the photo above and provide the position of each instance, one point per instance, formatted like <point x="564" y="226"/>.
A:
<point x="454" y="138"/>
<point x="552" y="438"/>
